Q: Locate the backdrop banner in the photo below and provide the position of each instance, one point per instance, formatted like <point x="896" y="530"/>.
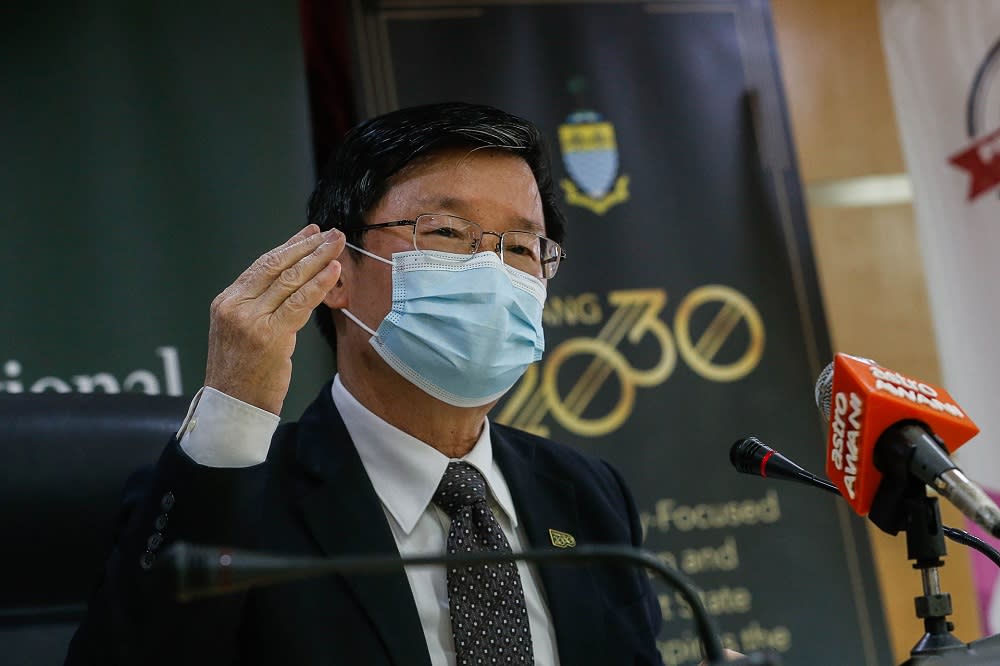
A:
<point x="687" y="314"/>
<point x="944" y="68"/>
<point x="151" y="152"/>
<point x="150" y="157"/>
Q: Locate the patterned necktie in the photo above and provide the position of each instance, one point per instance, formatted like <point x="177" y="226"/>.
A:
<point x="489" y="619"/>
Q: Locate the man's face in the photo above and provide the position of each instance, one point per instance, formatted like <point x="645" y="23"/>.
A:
<point x="493" y="188"/>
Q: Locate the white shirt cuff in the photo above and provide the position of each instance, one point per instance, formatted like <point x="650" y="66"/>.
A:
<point x="222" y="431"/>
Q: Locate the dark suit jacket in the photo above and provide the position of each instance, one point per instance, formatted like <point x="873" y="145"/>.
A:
<point x="313" y="497"/>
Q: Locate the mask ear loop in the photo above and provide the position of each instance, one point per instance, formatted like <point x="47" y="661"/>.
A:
<point x="368" y="254"/>
<point x="347" y="313"/>
<point x="364" y="327"/>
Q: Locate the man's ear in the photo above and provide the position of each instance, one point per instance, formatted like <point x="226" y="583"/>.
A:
<point x="337" y="297"/>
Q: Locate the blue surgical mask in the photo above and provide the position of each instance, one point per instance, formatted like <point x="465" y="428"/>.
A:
<point x="462" y="329"/>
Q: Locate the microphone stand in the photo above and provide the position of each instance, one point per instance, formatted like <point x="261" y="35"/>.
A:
<point x="194" y="571"/>
<point x="902" y="504"/>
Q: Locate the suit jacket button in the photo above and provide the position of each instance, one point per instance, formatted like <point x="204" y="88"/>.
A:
<point x="161" y="522"/>
<point x="154" y="541"/>
<point x="147" y="560"/>
<point x="167" y="502"/>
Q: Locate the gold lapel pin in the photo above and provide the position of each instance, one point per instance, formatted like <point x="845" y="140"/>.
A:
<point x="561" y="539"/>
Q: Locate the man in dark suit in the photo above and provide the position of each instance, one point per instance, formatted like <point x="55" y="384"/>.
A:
<point x="453" y="232"/>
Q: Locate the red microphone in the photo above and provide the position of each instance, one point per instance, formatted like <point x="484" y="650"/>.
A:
<point x="878" y="415"/>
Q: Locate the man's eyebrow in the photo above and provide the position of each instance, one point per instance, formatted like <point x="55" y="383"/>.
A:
<point x="443" y="203"/>
<point x="449" y="204"/>
<point x="531" y="225"/>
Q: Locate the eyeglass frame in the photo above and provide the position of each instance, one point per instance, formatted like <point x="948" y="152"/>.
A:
<point x="499" y="248"/>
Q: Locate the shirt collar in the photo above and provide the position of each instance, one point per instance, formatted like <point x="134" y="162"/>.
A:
<point x="405" y="471"/>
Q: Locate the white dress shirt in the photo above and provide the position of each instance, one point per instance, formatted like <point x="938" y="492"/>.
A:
<point x="221" y="431"/>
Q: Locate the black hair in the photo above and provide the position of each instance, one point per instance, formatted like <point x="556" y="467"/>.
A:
<point x="360" y="171"/>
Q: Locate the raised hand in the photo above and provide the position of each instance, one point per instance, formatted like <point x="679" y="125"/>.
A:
<point x="255" y="320"/>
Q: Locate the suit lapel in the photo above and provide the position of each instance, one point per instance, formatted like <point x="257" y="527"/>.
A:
<point x="346" y="518"/>
<point x="544" y="502"/>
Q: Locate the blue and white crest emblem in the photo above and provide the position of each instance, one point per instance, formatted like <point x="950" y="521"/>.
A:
<point x="590" y="155"/>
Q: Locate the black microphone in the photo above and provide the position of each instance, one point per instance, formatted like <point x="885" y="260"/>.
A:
<point x="195" y="571"/>
<point x="754" y="457"/>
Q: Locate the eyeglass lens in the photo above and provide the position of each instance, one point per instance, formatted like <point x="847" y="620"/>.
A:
<point x="523" y="250"/>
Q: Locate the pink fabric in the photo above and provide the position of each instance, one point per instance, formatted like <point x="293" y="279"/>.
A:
<point x="985" y="576"/>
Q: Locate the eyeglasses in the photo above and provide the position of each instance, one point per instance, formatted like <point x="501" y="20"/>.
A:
<point x="524" y="250"/>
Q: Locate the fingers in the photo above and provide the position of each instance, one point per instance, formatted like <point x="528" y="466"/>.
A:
<point x="304" y="232"/>
<point x="249" y="345"/>
<point x="256" y="279"/>
<point x="293" y="277"/>
<point x="295" y="310"/>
